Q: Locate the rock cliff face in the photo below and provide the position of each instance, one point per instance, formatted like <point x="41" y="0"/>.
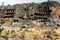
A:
<point x="52" y="11"/>
<point x="56" y="12"/>
<point x="51" y="7"/>
<point x="44" y="7"/>
<point x="44" y="10"/>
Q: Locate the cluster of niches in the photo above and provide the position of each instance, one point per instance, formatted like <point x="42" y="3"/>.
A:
<point x="9" y="13"/>
<point x="10" y="10"/>
<point x="15" y="20"/>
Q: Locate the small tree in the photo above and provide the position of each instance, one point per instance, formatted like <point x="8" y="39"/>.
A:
<point x="1" y="29"/>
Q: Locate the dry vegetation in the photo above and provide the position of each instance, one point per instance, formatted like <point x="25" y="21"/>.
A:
<point x="34" y="33"/>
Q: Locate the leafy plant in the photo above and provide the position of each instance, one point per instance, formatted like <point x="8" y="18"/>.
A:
<point x="1" y="29"/>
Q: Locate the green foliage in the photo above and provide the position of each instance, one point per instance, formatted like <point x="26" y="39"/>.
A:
<point x="1" y="29"/>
